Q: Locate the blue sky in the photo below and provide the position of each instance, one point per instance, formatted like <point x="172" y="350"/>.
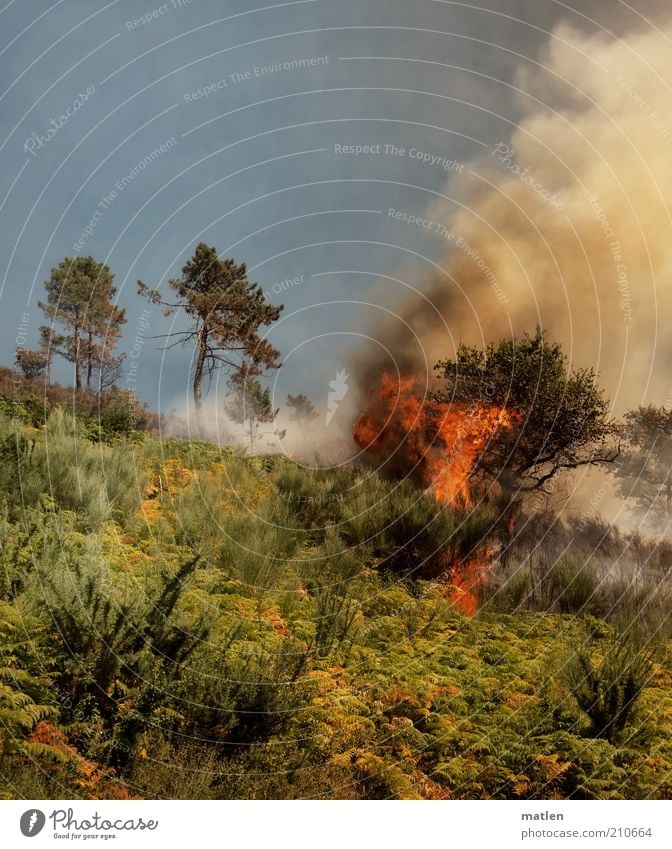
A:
<point x="252" y="165"/>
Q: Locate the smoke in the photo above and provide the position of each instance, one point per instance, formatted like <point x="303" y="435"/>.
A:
<point x="564" y="224"/>
<point x="313" y="444"/>
<point x="181" y="422"/>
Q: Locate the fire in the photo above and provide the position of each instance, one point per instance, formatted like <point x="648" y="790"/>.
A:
<point x="439" y="445"/>
<point x="464" y="581"/>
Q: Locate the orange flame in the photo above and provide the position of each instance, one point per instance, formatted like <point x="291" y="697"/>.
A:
<point x="464" y="580"/>
<point x="438" y="444"/>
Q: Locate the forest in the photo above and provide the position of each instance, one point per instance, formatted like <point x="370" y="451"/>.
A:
<point x="185" y="620"/>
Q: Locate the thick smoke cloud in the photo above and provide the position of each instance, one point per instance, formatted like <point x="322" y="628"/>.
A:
<point x="566" y="223"/>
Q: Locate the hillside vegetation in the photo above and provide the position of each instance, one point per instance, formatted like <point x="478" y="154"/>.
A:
<point x="179" y="620"/>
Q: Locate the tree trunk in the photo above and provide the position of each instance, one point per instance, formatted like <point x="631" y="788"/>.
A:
<point x="89" y="363"/>
<point x="508" y="522"/>
<point x="202" y="346"/>
<point x="78" y="364"/>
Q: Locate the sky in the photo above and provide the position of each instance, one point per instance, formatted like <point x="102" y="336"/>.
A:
<point x="246" y="126"/>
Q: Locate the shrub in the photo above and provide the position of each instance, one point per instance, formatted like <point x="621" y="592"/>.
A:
<point x="640" y="605"/>
<point x="97" y="482"/>
<point x="25" y="689"/>
<point x="608" y="690"/>
<point x="571" y="586"/>
<point x="120" y="642"/>
<point x="315" y="497"/>
<point x="335" y="619"/>
<point x="511" y="594"/>
<point x="409" y="532"/>
<point x="121" y="413"/>
<point x="267" y="691"/>
<point x="254" y="548"/>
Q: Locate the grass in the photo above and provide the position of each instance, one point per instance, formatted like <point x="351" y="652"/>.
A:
<point x="193" y="623"/>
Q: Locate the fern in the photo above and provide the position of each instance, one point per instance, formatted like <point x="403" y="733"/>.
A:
<point x="24" y="695"/>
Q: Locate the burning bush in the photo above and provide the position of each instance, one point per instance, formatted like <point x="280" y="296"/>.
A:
<point x="506" y="421"/>
<point x="436" y="444"/>
<point x="411" y="534"/>
<point x="559" y="418"/>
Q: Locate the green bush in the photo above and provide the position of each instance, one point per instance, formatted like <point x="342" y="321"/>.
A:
<point x="255" y="547"/>
<point x="26" y="696"/>
<point x="511" y="594"/>
<point x="607" y="690"/>
<point x="116" y="636"/>
<point x="315" y="497"/>
<point x="409" y="532"/>
<point x="97" y="482"/>
<point x="571" y="586"/>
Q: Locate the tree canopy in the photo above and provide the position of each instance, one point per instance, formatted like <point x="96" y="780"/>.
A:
<point x="644" y="471"/>
<point x="80" y="294"/>
<point x="249" y="404"/>
<point x="303" y="409"/>
<point x="561" y="415"/>
<point x="226" y="312"/>
<point x="32" y="363"/>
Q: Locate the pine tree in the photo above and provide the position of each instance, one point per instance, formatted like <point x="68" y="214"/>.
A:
<point x="79" y="299"/>
<point x="304" y="411"/>
<point x="250" y="405"/>
<point x="32" y="363"/>
<point x="226" y="312"/>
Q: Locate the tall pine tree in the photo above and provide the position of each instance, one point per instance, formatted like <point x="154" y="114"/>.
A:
<point x="226" y="312"/>
<point x="80" y="294"/>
